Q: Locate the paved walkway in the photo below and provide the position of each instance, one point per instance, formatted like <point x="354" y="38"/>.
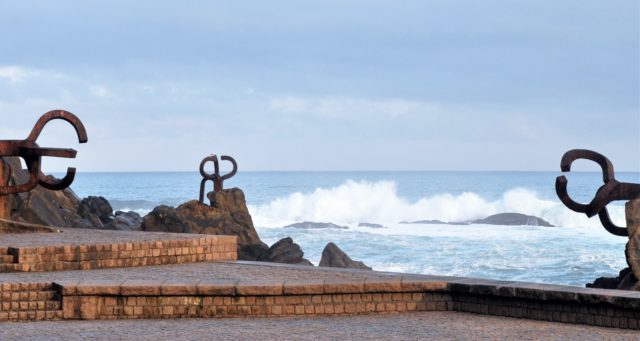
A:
<point x="413" y="326"/>
<point x="197" y="271"/>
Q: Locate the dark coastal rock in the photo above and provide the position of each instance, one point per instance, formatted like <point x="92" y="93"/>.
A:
<point x="44" y="207"/>
<point x="285" y="251"/>
<point x="512" y="219"/>
<point x="98" y="207"/>
<point x="625" y="281"/>
<point x="228" y="216"/>
<point x="333" y="256"/>
<point x="370" y="225"/>
<point x="125" y="221"/>
<point x="315" y="225"/>
<point x="632" y="249"/>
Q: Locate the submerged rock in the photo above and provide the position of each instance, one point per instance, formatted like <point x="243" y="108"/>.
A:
<point x="513" y="219"/>
<point x="315" y="225"/>
<point x="285" y="251"/>
<point x="333" y="256"/>
<point x="433" y="222"/>
<point x="370" y="225"/>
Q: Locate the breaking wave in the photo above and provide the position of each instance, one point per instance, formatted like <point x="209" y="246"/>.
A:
<point x="354" y="202"/>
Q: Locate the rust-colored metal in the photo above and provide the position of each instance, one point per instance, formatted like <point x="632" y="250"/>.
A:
<point x="612" y="189"/>
<point x="215" y="177"/>
<point x="32" y="154"/>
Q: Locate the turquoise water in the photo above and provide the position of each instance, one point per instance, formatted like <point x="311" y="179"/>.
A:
<point x="575" y="252"/>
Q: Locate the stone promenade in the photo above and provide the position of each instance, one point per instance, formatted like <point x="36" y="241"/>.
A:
<point x="413" y="326"/>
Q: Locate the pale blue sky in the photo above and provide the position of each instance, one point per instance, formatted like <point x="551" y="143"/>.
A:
<point x="326" y="85"/>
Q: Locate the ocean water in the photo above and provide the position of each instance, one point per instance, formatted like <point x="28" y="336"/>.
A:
<point x="574" y="252"/>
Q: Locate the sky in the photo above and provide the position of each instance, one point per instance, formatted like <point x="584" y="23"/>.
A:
<point x="325" y="85"/>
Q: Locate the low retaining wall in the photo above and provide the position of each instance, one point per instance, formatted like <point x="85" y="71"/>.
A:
<point x="122" y="254"/>
<point x="347" y="292"/>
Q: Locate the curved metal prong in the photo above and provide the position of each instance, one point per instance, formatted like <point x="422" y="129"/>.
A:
<point x="561" y="190"/>
<point x="601" y="160"/>
<point x="235" y="167"/>
<point x="610" y="226"/>
<point x="63" y="115"/>
<point x="202" y="184"/>
<point x="49" y="182"/>
<point x="211" y="158"/>
<point x="33" y="166"/>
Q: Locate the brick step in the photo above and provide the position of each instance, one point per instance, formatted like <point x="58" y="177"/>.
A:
<point x="28" y="296"/>
<point x="6" y="259"/>
<point x="13" y="267"/>
<point x="46" y="305"/>
<point x="36" y="315"/>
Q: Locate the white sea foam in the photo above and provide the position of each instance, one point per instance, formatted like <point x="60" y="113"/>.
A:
<point x="378" y="202"/>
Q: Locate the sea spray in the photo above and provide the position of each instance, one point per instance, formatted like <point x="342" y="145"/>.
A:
<point x="354" y="202"/>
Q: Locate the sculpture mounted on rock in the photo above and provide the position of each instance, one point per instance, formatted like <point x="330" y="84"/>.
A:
<point x="32" y="154"/>
<point x="215" y="177"/>
<point x="612" y="190"/>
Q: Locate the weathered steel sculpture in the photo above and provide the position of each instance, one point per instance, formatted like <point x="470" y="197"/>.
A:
<point x="32" y="154"/>
<point x="612" y="189"/>
<point x="215" y="177"/>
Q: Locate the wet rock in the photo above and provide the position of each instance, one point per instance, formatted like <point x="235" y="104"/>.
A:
<point x="125" y="221"/>
<point x="285" y="251"/>
<point x="228" y="216"/>
<point x="333" y="256"/>
<point x="625" y="281"/>
<point x="315" y="225"/>
<point x="513" y="219"/>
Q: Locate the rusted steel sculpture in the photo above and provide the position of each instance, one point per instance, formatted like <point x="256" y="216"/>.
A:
<point x="32" y="154"/>
<point x="612" y="189"/>
<point x="215" y="177"/>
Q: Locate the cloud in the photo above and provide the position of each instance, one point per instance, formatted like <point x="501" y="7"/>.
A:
<point x="99" y="91"/>
<point x="16" y="73"/>
<point x="344" y="107"/>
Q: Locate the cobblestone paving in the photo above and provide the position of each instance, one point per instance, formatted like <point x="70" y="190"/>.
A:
<point x="413" y="326"/>
<point x="192" y="272"/>
<point x="87" y="236"/>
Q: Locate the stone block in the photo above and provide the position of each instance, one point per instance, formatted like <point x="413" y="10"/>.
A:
<point x="333" y="286"/>
<point x="176" y="287"/>
<point x="140" y="288"/>
<point x="216" y="287"/>
<point x="248" y="288"/>
<point x="299" y="287"/>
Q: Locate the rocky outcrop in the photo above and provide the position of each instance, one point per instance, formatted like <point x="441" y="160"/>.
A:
<point x="62" y="208"/>
<point x="44" y="207"/>
<point x="315" y="225"/>
<point x="333" y="256"/>
<point x="285" y="251"/>
<point x="228" y="216"/>
<point x="513" y="219"/>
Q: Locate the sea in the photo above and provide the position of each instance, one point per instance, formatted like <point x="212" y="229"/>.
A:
<point x="574" y="252"/>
